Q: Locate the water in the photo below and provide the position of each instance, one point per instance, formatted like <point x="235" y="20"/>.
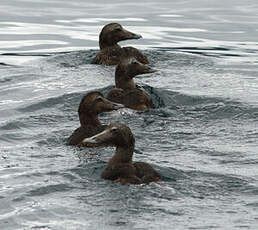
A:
<point x="202" y="135"/>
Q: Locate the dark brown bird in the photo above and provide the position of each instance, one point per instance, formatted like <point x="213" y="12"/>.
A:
<point x="126" y="92"/>
<point x="90" y="106"/>
<point x="120" y="167"/>
<point x="110" y="52"/>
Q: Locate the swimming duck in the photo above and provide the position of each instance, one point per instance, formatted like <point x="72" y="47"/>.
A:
<point x="90" y="106"/>
<point x="126" y="92"/>
<point x="120" y="167"/>
<point x="110" y="52"/>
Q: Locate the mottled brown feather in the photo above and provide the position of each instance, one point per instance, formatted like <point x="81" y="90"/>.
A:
<point x="120" y="167"/>
<point x="110" y="52"/>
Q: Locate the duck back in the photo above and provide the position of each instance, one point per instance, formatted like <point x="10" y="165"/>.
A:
<point x="113" y="55"/>
<point x="146" y="173"/>
<point x="136" y="99"/>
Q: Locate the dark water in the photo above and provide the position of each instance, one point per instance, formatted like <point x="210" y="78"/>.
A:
<point x="202" y="135"/>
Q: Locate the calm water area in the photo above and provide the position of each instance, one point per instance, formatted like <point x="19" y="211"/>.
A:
<point x="202" y="135"/>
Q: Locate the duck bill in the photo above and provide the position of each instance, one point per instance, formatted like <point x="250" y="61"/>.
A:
<point x="145" y="70"/>
<point x="112" y="105"/>
<point x="116" y="106"/>
<point x="101" y="139"/>
<point x="149" y="70"/>
<point x="129" y="35"/>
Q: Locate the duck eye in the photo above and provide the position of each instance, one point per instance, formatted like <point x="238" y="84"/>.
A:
<point x="99" y="99"/>
<point x="114" y="129"/>
<point x="118" y="29"/>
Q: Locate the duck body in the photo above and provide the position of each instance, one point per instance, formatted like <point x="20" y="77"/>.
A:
<point x="113" y="54"/>
<point x="110" y="52"/>
<point x="90" y="106"/>
<point x="120" y="167"/>
<point x="135" y="99"/>
<point x="135" y="173"/>
<point x="125" y="91"/>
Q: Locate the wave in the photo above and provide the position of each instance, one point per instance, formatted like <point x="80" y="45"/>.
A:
<point x="185" y="183"/>
<point x="167" y="104"/>
<point x="5" y="65"/>
<point x="177" y="57"/>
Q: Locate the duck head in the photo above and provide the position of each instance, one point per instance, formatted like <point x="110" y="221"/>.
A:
<point x="116" y="134"/>
<point x="113" y="33"/>
<point x="94" y="103"/>
<point x="127" y="69"/>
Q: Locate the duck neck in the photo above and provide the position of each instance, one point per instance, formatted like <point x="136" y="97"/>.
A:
<point x="124" y="154"/>
<point x="103" y="44"/>
<point x="89" y="119"/>
<point x="123" y="80"/>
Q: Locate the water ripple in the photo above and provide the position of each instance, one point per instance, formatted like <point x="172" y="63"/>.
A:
<point x="201" y="136"/>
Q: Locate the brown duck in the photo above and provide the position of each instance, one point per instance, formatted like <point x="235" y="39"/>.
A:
<point x="120" y="167"/>
<point x="90" y="106"/>
<point x="110" y="52"/>
<point x="126" y="92"/>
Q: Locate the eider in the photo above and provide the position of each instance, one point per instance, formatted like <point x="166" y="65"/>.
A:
<point x="110" y="52"/>
<point x="90" y="106"/>
<point x="120" y="167"/>
<point x="126" y="92"/>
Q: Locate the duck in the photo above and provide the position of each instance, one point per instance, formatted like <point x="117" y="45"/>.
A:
<point x="125" y="91"/>
<point x="120" y="168"/>
<point x="90" y="106"/>
<point x="110" y="52"/>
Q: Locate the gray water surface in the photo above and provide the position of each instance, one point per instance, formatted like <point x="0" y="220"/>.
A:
<point x="201" y="136"/>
